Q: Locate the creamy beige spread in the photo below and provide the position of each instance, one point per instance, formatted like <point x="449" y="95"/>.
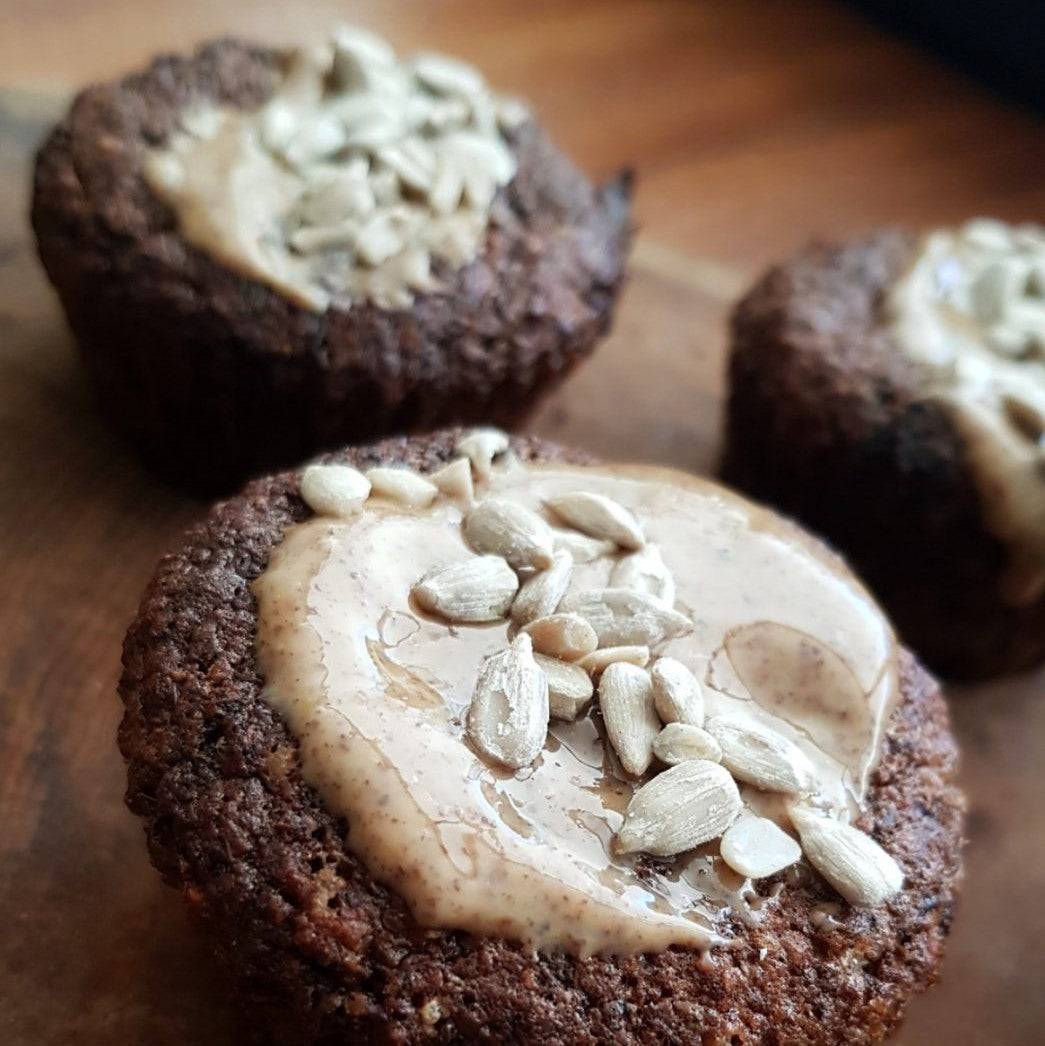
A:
<point x="347" y="183"/>
<point x="971" y="311"/>
<point x="377" y="694"/>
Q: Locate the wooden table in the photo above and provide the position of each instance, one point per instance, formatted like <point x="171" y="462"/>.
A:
<point x="754" y="126"/>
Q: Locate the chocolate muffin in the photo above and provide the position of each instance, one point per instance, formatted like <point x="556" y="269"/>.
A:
<point x="361" y="731"/>
<point x="263" y="252"/>
<point x="890" y="393"/>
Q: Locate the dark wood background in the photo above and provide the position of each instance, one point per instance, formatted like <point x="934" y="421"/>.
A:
<point x="754" y="126"/>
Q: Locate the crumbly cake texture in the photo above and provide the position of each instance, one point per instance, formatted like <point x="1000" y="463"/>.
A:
<point x="215" y="377"/>
<point x="826" y="423"/>
<point x="320" y="949"/>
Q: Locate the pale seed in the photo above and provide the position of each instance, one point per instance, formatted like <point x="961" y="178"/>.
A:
<point x="505" y="528"/>
<point x="677" y="693"/>
<point x="402" y="485"/>
<point x="626" y="700"/>
<point x="678" y="742"/>
<point x="680" y="809"/>
<point x="413" y="162"/>
<point x="541" y="594"/>
<point x="582" y="548"/>
<point x="598" y="661"/>
<point x="569" y="687"/>
<point x="599" y="517"/>
<point x="324" y="237"/>
<point x="565" y="636"/>
<point x="622" y="617"/>
<point x="470" y="592"/>
<point x="445" y="192"/>
<point x="851" y="861"/>
<point x="511" y="114"/>
<point x="756" y="847"/>
<point x="334" y="490"/>
<point x="481" y="446"/>
<point x="455" y="480"/>
<point x="644" y="571"/>
<point x="762" y="757"/>
<point x="447" y="76"/>
<point x="508" y="717"/>
<point x="377" y="241"/>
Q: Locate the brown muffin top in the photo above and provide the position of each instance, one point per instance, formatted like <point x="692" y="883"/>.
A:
<point x="216" y="776"/>
<point x="89" y="190"/>
<point x="828" y="420"/>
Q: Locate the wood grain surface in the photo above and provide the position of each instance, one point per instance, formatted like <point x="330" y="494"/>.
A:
<point x="754" y="126"/>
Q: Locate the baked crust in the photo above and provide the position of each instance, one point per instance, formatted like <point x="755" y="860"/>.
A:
<point x="214" y="376"/>
<point x="319" y="947"/>
<point x="825" y="422"/>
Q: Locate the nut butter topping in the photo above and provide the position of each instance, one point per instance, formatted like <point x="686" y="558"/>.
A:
<point x="971" y="311"/>
<point x="356" y="173"/>
<point x="383" y="698"/>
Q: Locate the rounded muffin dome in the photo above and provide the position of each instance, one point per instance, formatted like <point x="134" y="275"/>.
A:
<point x="216" y="367"/>
<point x="294" y="870"/>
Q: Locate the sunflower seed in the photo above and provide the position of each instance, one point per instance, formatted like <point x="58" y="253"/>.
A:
<point x="472" y="591"/>
<point x="565" y="636"/>
<point x="444" y="194"/>
<point x="626" y="700"/>
<point x="541" y="594"/>
<point x="330" y="202"/>
<point x="644" y="571"/>
<point x="402" y="485"/>
<point x="852" y="862"/>
<point x="582" y="548"/>
<point x="598" y="517"/>
<point x="756" y="847"/>
<point x="762" y="757"/>
<point x="620" y="616"/>
<point x="357" y="54"/>
<point x="569" y="687"/>
<point x="479" y="188"/>
<point x="481" y="446"/>
<point x="312" y="239"/>
<point x="678" y="742"/>
<point x="455" y="480"/>
<point x="680" y="809"/>
<point x="508" y="717"/>
<point x="447" y="76"/>
<point x="377" y="241"/>
<point x="511" y="114"/>
<point x="413" y="162"/>
<point x="598" y="661"/>
<point x="677" y="693"/>
<point x="320" y="137"/>
<point x="334" y="490"/>
<point x="505" y="528"/>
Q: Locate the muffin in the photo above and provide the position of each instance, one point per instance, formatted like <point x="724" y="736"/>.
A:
<point x="460" y="739"/>
<point x="265" y="252"/>
<point x="890" y="393"/>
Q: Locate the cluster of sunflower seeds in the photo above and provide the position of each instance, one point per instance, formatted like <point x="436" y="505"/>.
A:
<point x="571" y="648"/>
<point x="388" y="151"/>
<point x="1005" y="266"/>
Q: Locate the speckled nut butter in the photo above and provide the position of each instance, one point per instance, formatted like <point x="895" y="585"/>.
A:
<point x="349" y="180"/>
<point x="970" y="311"/>
<point x="796" y="668"/>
